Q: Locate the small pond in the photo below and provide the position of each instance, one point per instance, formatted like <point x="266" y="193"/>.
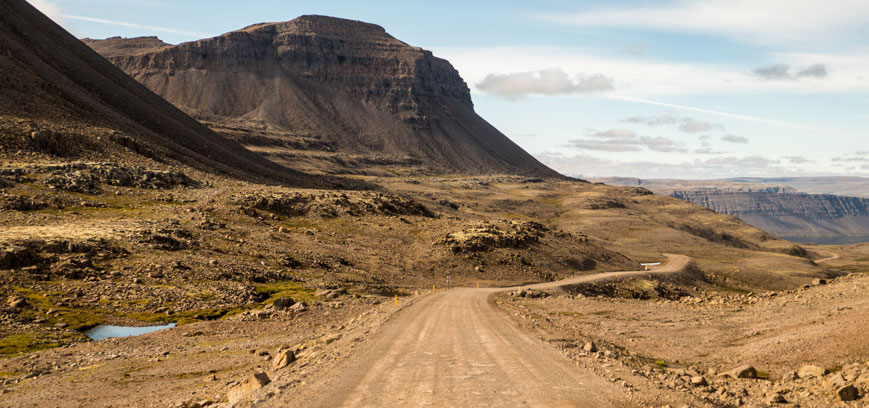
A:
<point x="106" y="331"/>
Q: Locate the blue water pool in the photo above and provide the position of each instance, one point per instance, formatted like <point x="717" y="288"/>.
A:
<point x="106" y="331"/>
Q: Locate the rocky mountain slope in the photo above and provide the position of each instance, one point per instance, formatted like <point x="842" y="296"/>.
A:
<point x="326" y="94"/>
<point x="58" y="97"/>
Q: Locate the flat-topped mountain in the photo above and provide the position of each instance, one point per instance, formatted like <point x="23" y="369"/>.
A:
<point x="836" y="185"/>
<point x="119" y="46"/>
<point x="341" y="93"/>
<point x="781" y="206"/>
<point x="796" y="216"/>
<point x="58" y="95"/>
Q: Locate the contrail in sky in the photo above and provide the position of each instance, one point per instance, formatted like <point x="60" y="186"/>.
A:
<point x="713" y="112"/>
<point x="134" y="25"/>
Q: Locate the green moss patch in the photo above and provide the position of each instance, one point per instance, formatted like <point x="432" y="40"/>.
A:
<point x="23" y="343"/>
<point x="286" y="289"/>
<point x="188" y="316"/>
<point x="74" y="318"/>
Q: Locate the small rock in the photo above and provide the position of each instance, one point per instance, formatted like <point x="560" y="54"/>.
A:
<point x="776" y="398"/>
<point x="17" y="302"/>
<point x="283" y="303"/>
<point x="698" y="381"/>
<point x="847" y="393"/>
<point x="745" y="371"/>
<point x="817" y="282"/>
<point x="790" y="376"/>
<point x="836" y="381"/>
<point x="253" y="383"/>
<point x="590" y="347"/>
<point x="331" y="338"/>
<point x="811" y="371"/>
<point x="298" y="307"/>
<point x="283" y="359"/>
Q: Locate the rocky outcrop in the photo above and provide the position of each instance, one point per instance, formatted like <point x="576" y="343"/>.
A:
<point x="346" y="85"/>
<point x="119" y="46"/>
<point x="791" y="215"/>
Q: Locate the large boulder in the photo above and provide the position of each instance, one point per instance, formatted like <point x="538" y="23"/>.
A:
<point x="811" y="371"/>
<point x="17" y="256"/>
<point x="848" y="393"/>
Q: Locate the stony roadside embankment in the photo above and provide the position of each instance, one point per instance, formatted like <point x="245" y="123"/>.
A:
<point x="791" y="355"/>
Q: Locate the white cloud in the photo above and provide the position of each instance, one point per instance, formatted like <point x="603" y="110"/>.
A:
<point x="650" y="79"/>
<point x="714" y="112"/>
<point x="850" y="159"/>
<point x="654" y="120"/>
<point x="708" y="150"/>
<point x="734" y="138"/>
<point x="791" y="23"/>
<point x="50" y="9"/>
<point x="686" y="124"/>
<point x="797" y="159"/>
<point x="624" y="140"/>
<point x="696" y="126"/>
<point x="784" y="72"/>
<point x="716" y="167"/>
<point x="551" y="81"/>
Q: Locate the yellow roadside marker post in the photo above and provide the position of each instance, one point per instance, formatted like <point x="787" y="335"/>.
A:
<point x="478" y="284"/>
<point x="396" y="300"/>
<point x="432" y="288"/>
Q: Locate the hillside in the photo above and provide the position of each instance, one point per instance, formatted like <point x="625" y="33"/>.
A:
<point x="59" y="98"/>
<point x="266" y="287"/>
<point x="780" y="209"/>
<point x="327" y="94"/>
<point x="843" y="186"/>
<point x="798" y="216"/>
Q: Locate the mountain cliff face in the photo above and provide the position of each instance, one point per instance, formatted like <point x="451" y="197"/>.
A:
<point x="327" y="85"/>
<point x="794" y="215"/>
<point x="53" y="85"/>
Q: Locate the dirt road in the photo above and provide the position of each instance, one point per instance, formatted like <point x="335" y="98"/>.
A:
<point x="832" y="256"/>
<point x="453" y="348"/>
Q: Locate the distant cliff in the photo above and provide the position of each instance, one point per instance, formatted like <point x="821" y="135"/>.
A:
<point x="330" y="85"/>
<point x="793" y="215"/>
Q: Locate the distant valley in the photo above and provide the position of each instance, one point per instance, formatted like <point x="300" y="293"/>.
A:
<point x="823" y="210"/>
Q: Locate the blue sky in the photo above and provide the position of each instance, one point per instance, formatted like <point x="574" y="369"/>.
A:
<point x="668" y="88"/>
